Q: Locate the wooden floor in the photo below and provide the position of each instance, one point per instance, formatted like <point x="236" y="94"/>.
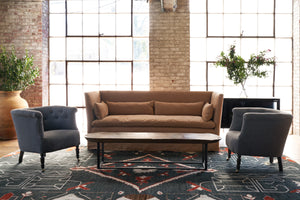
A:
<point x="292" y="147"/>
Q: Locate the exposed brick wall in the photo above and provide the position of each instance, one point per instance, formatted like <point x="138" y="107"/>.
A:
<point x="169" y="44"/>
<point x="21" y="25"/>
<point x="296" y="69"/>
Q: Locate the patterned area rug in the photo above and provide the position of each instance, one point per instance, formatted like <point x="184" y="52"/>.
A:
<point x="65" y="179"/>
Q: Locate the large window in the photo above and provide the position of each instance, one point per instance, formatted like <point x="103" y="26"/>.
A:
<point x="253" y="25"/>
<point x="96" y="45"/>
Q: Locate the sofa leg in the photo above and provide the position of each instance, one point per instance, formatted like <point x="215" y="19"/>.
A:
<point x="43" y="161"/>
<point x="238" y="164"/>
<point x="229" y="154"/>
<point x="271" y="159"/>
<point x="280" y="164"/>
<point x="77" y="153"/>
<point x="21" y="156"/>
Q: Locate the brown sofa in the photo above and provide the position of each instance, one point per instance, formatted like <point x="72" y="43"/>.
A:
<point x="154" y="111"/>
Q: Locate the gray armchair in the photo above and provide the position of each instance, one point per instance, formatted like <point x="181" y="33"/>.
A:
<point x="46" y="129"/>
<point x="258" y="132"/>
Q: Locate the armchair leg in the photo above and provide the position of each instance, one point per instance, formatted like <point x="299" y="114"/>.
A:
<point x="77" y="152"/>
<point x="229" y="154"/>
<point x="43" y="161"/>
<point x="21" y="156"/>
<point x="280" y="164"/>
<point x="238" y="164"/>
<point x="271" y="159"/>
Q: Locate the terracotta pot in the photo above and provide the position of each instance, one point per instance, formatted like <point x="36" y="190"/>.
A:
<point x="9" y="100"/>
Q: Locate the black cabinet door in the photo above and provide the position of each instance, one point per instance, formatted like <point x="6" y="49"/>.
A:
<point x="230" y="103"/>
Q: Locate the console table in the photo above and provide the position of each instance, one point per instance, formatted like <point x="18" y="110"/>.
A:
<point x="230" y="103"/>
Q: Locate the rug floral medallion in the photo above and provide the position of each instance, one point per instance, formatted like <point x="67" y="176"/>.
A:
<point x="141" y="177"/>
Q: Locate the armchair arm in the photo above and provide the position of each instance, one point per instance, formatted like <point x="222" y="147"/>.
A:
<point x="268" y="131"/>
<point x="29" y="128"/>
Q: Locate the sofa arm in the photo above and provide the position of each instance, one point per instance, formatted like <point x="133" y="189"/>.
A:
<point x="90" y="99"/>
<point x="217" y="102"/>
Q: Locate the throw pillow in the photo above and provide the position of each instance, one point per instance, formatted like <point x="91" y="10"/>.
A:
<point x="101" y="110"/>
<point x="130" y="108"/>
<point x="207" y="112"/>
<point x="167" y="108"/>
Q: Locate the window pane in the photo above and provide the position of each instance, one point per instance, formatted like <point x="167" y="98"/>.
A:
<point x="57" y="25"/>
<point x="57" y="73"/>
<point x="249" y="6"/>
<point x="197" y="6"/>
<point x="107" y="48"/>
<point x="107" y="73"/>
<point x="123" y="6"/>
<point x="124" y="48"/>
<point x="140" y="7"/>
<point x="57" y="95"/>
<point x="57" y="48"/>
<point x="283" y="50"/>
<point x="284" y="25"/>
<point x="283" y="74"/>
<point x="198" y="25"/>
<point x="215" y="6"/>
<point x="232" y="6"/>
<point x="266" y="6"/>
<point x="90" y="24"/>
<point x="107" y="24"/>
<point x="75" y="73"/>
<point x="107" y="6"/>
<point x="214" y="48"/>
<point x="141" y="25"/>
<point x="198" y="73"/>
<point x="123" y="24"/>
<point x="74" y="24"/>
<point x="140" y="73"/>
<point x="215" y="75"/>
<point x="90" y="49"/>
<point x="285" y="94"/>
<point x="267" y="81"/>
<point x="75" y="95"/>
<point x="74" y="48"/>
<point x="198" y="49"/>
<point x="249" y="24"/>
<point x="91" y="73"/>
<point x="265" y="44"/>
<point x="74" y="6"/>
<point x="57" y="6"/>
<point x="124" y="73"/>
<point x="215" y="24"/>
<point x="284" y="6"/>
<point x="90" y="6"/>
<point x="232" y="25"/>
<point x="141" y="49"/>
<point x="249" y="46"/>
<point x="265" y="25"/>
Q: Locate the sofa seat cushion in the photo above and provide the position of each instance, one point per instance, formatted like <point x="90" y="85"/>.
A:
<point x="153" y="121"/>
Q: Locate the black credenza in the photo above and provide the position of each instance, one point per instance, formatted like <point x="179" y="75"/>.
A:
<point x="230" y="103"/>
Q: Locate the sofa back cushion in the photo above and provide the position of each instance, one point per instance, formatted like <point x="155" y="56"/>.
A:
<point x="100" y="110"/>
<point x="130" y="108"/>
<point x="167" y="108"/>
<point x="207" y="112"/>
<point x="164" y="96"/>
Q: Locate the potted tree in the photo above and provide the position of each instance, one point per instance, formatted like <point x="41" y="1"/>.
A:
<point x="16" y="74"/>
<point x="239" y="70"/>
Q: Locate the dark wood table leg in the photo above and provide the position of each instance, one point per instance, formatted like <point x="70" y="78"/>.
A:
<point x="98" y="155"/>
<point x="205" y="157"/>
<point x="102" y="152"/>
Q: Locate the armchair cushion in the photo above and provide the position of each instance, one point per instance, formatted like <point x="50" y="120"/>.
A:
<point x="207" y="112"/>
